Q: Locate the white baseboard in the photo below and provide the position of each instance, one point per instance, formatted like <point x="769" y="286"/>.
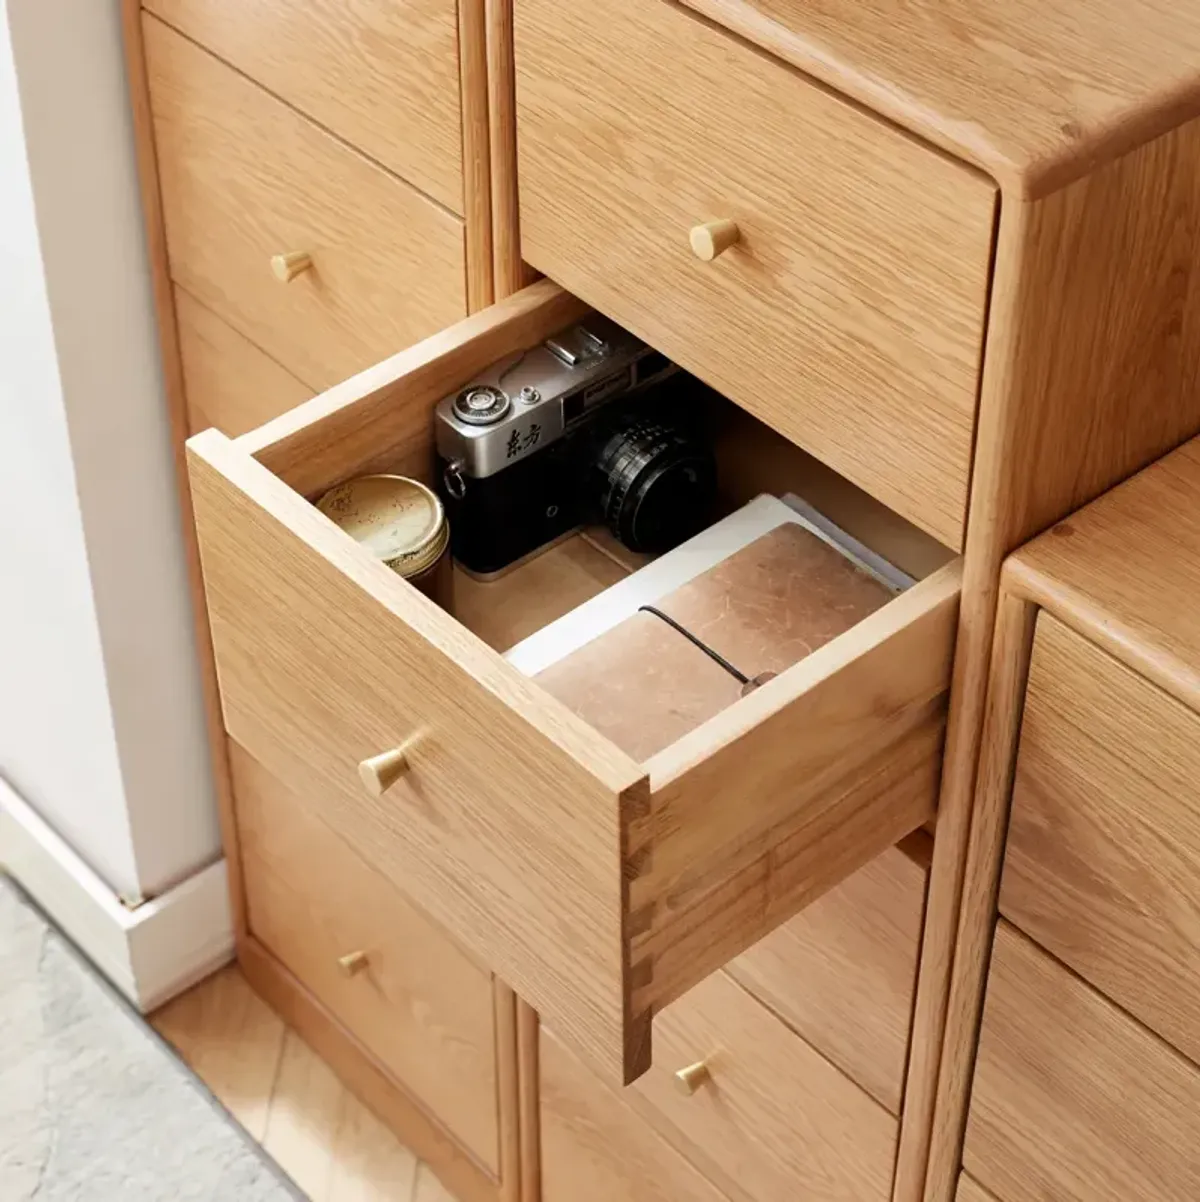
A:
<point x="151" y="952"/>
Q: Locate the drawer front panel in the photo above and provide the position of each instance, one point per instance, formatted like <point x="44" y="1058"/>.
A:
<point x="1103" y="859"/>
<point x="842" y="972"/>
<point x="244" y="178"/>
<point x="414" y="1000"/>
<point x="1073" y="1100"/>
<point x="382" y="74"/>
<point x="228" y="382"/>
<point x="773" y="1120"/>
<point x="849" y="314"/>
<point x="597" y="1148"/>
<point x="600" y="888"/>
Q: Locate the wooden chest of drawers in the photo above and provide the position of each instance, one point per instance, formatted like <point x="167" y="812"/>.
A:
<point x="1085" y="1081"/>
<point x="929" y="250"/>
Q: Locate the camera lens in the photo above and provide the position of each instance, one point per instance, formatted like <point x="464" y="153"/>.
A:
<point x="657" y="483"/>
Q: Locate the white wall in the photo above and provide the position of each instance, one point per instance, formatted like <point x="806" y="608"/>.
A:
<point x="101" y="722"/>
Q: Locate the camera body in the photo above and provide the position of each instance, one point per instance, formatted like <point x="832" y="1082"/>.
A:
<point x="582" y="428"/>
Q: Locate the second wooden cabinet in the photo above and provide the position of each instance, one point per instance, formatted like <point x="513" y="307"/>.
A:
<point x="1083" y="1084"/>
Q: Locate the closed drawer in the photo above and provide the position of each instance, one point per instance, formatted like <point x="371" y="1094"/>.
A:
<point x="245" y="178"/>
<point x="849" y="315"/>
<point x="410" y="996"/>
<point x="842" y="972"/>
<point x="597" y="1148"/>
<point x="228" y="382"/>
<point x="600" y="887"/>
<point x="1073" y="1100"/>
<point x="382" y="74"/>
<point x="1103" y="859"/>
<point x="771" y="1120"/>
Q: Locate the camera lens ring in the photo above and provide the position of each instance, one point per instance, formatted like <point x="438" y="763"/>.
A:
<point x="657" y="483"/>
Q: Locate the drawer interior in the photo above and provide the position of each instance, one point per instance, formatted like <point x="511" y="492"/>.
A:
<point x="600" y="886"/>
<point x="751" y="459"/>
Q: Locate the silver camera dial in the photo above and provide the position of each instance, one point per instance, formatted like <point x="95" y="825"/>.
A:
<point x="481" y="405"/>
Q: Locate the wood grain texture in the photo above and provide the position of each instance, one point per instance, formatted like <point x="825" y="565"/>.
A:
<point x="664" y="889"/>
<point x="849" y="316"/>
<point x="984" y="855"/>
<point x="753" y="458"/>
<point x="360" y="1073"/>
<point x="583" y="1122"/>
<point x="1103" y="859"/>
<point x="843" y="971"/>
<point x="371" y="1164"/>
<point x="859" y="722"/>
<point x="232" y="1040"/>
<point x="305" y="1102"/>
<point x="229" y="383"/>
<point x="476" y="156"/>
<point x="493" y="852"/>
<point x="774" y="1121"/>
<point x="504" y="611"/>
<point x="529" y="1075"/>
<point x="1024" y="90"/>
<point x="1094" y="349"/>
<point x="701" y="879"/>
<point x="146" y="152"/>
<point x="382" y="418"/>
<point x="1104" y="572"/>
<point x="244" y="178"/>
<point x="971" y="1191"/>
<point x="327" y="1141"/>
<point x="1091" y="362"/>
<point x="508" y="1090"/>
<point x="319" y="1132"/>
<point x="510" y="273"/>
<point x="1072" y="1099"/>
<point x="381" y="74"/>
<point x="421" y="1006"/>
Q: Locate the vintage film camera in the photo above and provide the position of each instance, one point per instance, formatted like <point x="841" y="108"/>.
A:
<point x="592" y="426"/>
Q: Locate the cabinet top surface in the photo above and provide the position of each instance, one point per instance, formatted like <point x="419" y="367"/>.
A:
<point x="1034" y="92"/>
<point x="1125" y="571"/>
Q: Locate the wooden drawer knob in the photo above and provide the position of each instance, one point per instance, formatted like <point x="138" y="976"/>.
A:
<point x="288" y="267"/>
<point x="713" y="238"/>
<point x="354" y="963"/>
<point x="691" y="1078"/>
<point x="382" y="771"/>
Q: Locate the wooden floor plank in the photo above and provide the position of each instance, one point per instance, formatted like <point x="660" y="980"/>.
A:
<point x="306" y="1111"/>
<point x="231" y="1039"/>
<point x="288" y="1099"/>
<point x="370" y="1163"/>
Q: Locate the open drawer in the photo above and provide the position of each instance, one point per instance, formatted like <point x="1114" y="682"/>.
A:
<point x="599" y="887"/>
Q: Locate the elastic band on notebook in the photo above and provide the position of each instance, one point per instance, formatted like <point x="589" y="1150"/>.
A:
<point x="740" y="677"/>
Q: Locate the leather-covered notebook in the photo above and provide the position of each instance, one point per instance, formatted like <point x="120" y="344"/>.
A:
<point x="644" y="684"/>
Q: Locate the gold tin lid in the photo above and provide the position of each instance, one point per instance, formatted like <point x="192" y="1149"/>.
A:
<point x="398" y="520"/>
